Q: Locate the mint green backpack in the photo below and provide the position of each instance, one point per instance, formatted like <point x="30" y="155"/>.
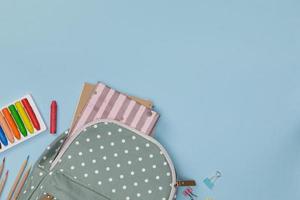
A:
<point x="105" y="160"/>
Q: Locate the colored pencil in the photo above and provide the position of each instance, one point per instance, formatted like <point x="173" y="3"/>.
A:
<point x="11" y="123"/>
<point x="2" y="166"/>
<point x="6" y="129"/>
<point x="2" y="183"/>
<point x="22" y="183"/>
<point x="17" y="180"/>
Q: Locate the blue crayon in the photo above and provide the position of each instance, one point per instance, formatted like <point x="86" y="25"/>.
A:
<point x="3" y="138"/>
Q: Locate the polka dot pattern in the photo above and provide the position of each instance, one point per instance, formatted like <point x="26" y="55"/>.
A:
<point x="106" y="161"/>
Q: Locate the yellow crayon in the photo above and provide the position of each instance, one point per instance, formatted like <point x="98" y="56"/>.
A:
<point x="24" y="117"/>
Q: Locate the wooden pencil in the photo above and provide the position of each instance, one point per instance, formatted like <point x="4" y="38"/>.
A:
<point x="2" y="167"/>
<point x="2" y="184"/>
<point x="13" y="188"/>
<point x="22" y="182"/>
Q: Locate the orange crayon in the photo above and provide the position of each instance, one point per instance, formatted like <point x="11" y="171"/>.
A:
<point x="6" y="129"/>
<point x="11" y="123"/>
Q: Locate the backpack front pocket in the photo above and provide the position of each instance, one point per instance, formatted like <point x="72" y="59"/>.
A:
<point x="62" y="187"/>
<point x="107" y="160"/>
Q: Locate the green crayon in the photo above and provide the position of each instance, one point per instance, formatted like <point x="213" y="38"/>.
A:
<point x="18" y="119"/>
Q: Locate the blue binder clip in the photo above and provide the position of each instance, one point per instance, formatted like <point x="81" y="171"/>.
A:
<point x="210" y="182"/>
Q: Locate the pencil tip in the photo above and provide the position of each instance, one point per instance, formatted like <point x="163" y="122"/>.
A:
<point x="28" y="157"/>
<point x="3" y="160"/>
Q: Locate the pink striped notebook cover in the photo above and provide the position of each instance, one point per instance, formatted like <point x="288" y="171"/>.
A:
<point x="107" y="103"/>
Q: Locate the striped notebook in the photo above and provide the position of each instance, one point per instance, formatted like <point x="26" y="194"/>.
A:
<point x="107" y="103"/>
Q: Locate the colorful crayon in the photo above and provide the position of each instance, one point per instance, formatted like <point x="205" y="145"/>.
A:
<point x="24" y="117"/>
<point x="6" y="129"/>
<point x="53" y="117"/>
<point x="31" y="114"/>
<point x="3" y="138"/>
<point x="11" y="123"/>
<point x="18" y="120"/>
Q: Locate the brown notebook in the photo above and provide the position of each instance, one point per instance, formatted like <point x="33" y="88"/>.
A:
<point x="85" y="95"/>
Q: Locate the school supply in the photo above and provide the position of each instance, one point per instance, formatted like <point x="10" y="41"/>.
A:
<point x="2" y="183"/>
<point x="17" y="180"/>
<point x="210" y="182"/>
<point x="11" y="123"/>
<point x="104" y="160"/>
<point x="107" y="103"/>
<point x="24" y="117"/>
<point x="6" y="129"/>
<point x="31" y="111"/>
<point x="85" y="95"/>
<point x="3" y="138"/>
<point x="208" y="198"/>
<point x="2" y="167"/>
<point x="188" y="192"/>
<point x="22" y="182"/>
<point x="53" y="116"/>
<point x="19" y="121"/>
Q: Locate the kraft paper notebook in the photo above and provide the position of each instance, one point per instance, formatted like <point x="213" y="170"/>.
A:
<point x="107" y="103"/>
<point x="85" y="95"/>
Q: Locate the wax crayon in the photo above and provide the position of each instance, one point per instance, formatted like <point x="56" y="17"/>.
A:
<point x="9" y="135"/>
<point x="18" y="119"/>
<point x="53" y="117"/>
<point x="11" y="123"/>
<point x="24" y="117"/>
<point x="31" y="113"/>
<point x="3" y="139"/>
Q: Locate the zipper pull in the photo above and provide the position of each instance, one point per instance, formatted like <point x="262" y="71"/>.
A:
<point x="47" y="197"/>
<point x="185" y="183"/>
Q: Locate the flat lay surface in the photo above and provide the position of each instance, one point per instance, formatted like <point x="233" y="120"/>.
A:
<point x="224" y="76"/>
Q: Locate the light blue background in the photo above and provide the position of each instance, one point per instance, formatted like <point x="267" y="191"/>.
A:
<point x="224" y="75"/>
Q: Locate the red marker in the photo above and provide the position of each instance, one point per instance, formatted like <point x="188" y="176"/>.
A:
<point x="53" y="117"/>
<point x="31" y="114"/>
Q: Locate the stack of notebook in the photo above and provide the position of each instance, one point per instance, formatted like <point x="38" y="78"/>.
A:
<point x="99" y="101"/>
